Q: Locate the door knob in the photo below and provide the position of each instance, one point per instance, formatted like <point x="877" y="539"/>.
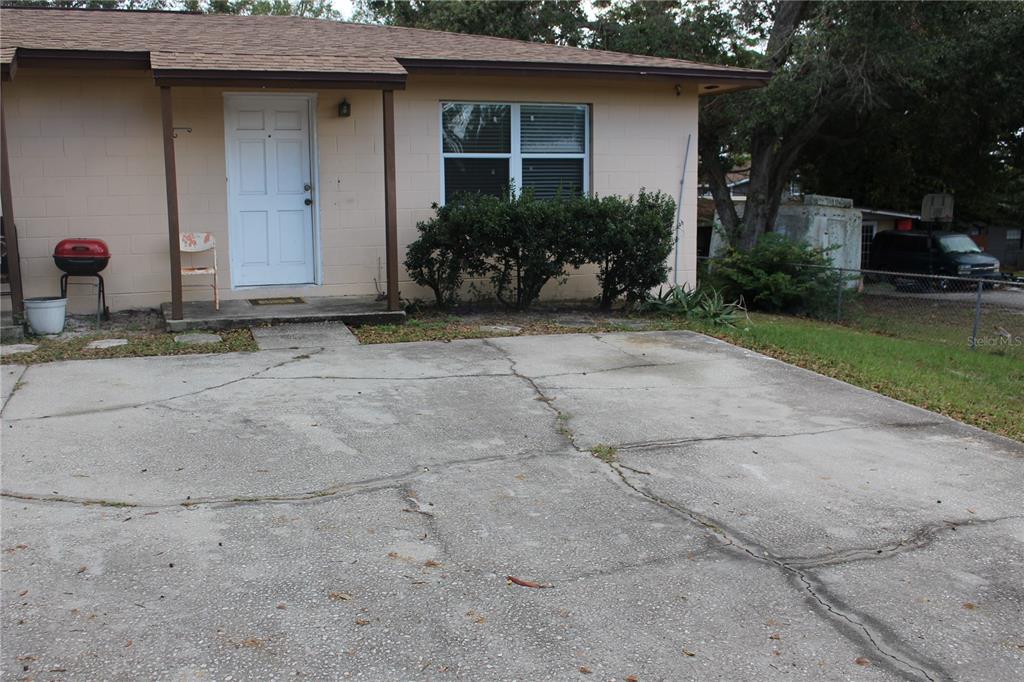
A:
<point x="309" y="202"/>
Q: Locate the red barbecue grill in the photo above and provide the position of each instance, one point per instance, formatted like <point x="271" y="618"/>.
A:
<point x="84" y="257"/>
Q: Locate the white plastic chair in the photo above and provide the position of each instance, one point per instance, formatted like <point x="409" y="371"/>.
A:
<point x="198" y="242"/>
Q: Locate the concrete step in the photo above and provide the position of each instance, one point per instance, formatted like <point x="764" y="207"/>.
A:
<point x="9" y="331"/>
<point x="236" y="314"/>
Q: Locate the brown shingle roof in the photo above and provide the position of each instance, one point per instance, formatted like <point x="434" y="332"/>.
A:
<point x="189" y="42"/>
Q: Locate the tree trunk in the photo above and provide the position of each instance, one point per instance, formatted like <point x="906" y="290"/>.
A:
<point x="715" y="170"/>
<point x="773" y="161"/>
<point x="772" y="157"/>
<point x="758" y="213"/>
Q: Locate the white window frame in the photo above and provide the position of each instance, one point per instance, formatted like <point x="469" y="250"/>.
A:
<point x="514" y="155"/>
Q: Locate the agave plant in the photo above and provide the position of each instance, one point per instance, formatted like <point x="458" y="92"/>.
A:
<point x="706" y="306"/>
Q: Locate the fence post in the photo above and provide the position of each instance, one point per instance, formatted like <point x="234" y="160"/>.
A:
<point x="839" y="297"/>
<point x="977" y="316"/>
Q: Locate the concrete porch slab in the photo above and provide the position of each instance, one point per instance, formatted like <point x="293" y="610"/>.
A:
<point x="235" y="314"/>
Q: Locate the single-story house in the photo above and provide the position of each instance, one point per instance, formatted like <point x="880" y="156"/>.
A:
<point x="309" y="148"/>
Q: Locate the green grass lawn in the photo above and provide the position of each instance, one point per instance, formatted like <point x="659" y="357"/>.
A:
<point x="949" y="322"/>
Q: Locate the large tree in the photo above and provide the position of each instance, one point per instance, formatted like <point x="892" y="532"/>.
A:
<point x="849" y="78"/>
<point x="954" y="123"/>
<point x="549" y="21"/>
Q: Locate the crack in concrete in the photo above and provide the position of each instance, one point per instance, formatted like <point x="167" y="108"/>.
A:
<point x="905" y="661"/>
<point x="14" y="389"/>
<point x="918" y="539"/>
<point x="330" y="377"/>
<point x="318" y="495"/>
<point x="157" y="401"/>
<point x="561" y="418"/>
<point x="673" y="442"/>
<point x="618" y="368"/>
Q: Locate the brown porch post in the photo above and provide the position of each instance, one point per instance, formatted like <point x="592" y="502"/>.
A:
<point x="390" y="206"/>
<point x="10" y="229"/>
<point x="171" y="178"/>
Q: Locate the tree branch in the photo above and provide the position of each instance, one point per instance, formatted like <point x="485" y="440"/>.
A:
<point x="788" y="16"/>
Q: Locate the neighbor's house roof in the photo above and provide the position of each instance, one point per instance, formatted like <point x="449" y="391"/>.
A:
<point x="181" y="48"/>
<point x="885" y="214"/>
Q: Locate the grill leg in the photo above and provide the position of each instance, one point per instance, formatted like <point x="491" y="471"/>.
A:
<point x="64" y="285"/>
<point x="103" y="298"/>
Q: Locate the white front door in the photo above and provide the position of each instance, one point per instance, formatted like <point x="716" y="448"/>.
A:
<point x="270" y="189"/>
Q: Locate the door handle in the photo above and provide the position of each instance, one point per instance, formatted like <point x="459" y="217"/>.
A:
<point x="308" y="202"/>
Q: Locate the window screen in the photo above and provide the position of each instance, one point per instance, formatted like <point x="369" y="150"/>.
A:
<point x="475" y="176"/>
<point x="542" y="147"/>
<point x="552" y="129"/>
<point x="477" y="128"/>
<point x="549" y="178"/>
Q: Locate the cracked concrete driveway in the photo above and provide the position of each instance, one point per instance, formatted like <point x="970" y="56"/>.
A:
<point x="355" y="511"/>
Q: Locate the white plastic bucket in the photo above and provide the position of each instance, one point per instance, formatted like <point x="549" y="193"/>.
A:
<point x="46" y="314"/>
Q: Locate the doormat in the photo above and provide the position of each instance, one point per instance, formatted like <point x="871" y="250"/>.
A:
<point x="286" y="300"/>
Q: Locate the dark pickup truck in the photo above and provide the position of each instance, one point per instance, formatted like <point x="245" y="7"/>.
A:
<point x="932" y="253"/>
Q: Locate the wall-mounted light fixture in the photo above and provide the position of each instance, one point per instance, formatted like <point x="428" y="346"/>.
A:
<point x="344" y="109"/>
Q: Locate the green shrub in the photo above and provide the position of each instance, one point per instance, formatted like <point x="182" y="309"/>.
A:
<point x="528" y="244"/>
<point x="521" y="243"/>
<point x="630" y="240"/>
<point x="447" y="249"/>
<point x="778" y="275"/>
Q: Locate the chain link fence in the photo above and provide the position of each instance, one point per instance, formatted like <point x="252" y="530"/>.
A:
<point x="963" y="312"/>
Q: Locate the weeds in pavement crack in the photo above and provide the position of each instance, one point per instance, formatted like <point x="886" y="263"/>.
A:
<point x="605" y="453"/>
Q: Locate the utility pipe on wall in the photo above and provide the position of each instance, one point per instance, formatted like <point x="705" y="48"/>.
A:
<point x="679" y="213"/>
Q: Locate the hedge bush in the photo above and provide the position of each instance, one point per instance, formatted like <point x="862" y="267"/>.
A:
<point x="520" y="243"/>
<point x="526" y="244"/>
<point x="446" y="250"/>
<point x="630" y="241"/>
<point x="779" y="275"/>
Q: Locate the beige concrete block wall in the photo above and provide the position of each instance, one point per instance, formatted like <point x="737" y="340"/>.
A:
<point x="87" y="160"/>
<point x="638" y="141"/>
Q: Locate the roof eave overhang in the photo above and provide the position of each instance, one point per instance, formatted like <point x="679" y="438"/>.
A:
<point x="715" y="80"/>
<point x="96" y="59"/>
<point x="104" y="59"/>
<point x="278" y="79"/>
